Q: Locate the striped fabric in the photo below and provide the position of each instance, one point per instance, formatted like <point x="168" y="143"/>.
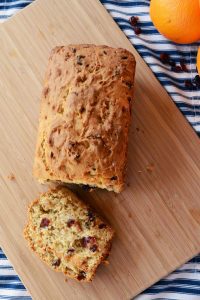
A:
<point x="10" y="284"/>
<point x="10" y="7"/>
<point x="184" y="283"/>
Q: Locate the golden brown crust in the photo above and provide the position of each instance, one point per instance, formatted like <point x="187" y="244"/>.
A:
<point x="67" y="235"/>
<point x="85" y="116"/>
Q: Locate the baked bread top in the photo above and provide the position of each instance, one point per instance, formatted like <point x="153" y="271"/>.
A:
<point x="85" y="116"/>
<point x="67" y="234"/>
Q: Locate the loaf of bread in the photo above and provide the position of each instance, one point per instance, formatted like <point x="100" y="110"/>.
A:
<point x="85" y="116"/>
<point x="67" y="234"/>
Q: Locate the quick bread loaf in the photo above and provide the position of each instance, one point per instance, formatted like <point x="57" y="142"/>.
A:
<point x="85" y="116"/>
<point x="67" y="234"/>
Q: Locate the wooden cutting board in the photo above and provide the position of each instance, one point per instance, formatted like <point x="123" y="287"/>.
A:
<point x="156" y="218"/>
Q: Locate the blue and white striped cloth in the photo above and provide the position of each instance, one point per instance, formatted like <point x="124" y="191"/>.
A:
<point x="184" y="283"/>
<point x="10" y="7"/>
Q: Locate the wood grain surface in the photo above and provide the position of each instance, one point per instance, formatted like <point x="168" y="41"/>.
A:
<point x="156" y="218"/>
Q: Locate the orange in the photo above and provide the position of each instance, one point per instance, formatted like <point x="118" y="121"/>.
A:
<point x="177" y="20"/>
<point x="198" y="61"/>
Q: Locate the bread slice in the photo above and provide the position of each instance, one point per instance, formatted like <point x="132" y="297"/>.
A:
<point x="85" y="116"/>
<point x="67" y="234"/>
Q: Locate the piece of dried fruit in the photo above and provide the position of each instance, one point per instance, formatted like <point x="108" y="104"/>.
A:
<point x="133" y="20"/>
<point x="77" y="156"/>
<point x="44" y="223"/>
<point x="88" y="241"/>
<point x="84" y="242"/>
<point x="93" y="248"/>
<point x="70" y="251"/>
<point x="80" y="59"/>
<point x="188" y="84"/>
<point x="183" y="65"/>
<point x="56" y="263"/>
<point x="88" y="224"/>
<point x="128" y="84"/>
<point x="52" y="155"/>
<point x="164" y="57"/>
<point x="113" y="178"/>
<point x="81" y="275"/>
<point x="176" y="69"/>
<point x="82" y="110"/>
<point x="172" y="63"/>
<point x="91" y="215"/>
<point x="123" y="57"/>
<point x="70" y="223"/>
<point x="137" y="30"/>
<point x="102" y="225"/>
